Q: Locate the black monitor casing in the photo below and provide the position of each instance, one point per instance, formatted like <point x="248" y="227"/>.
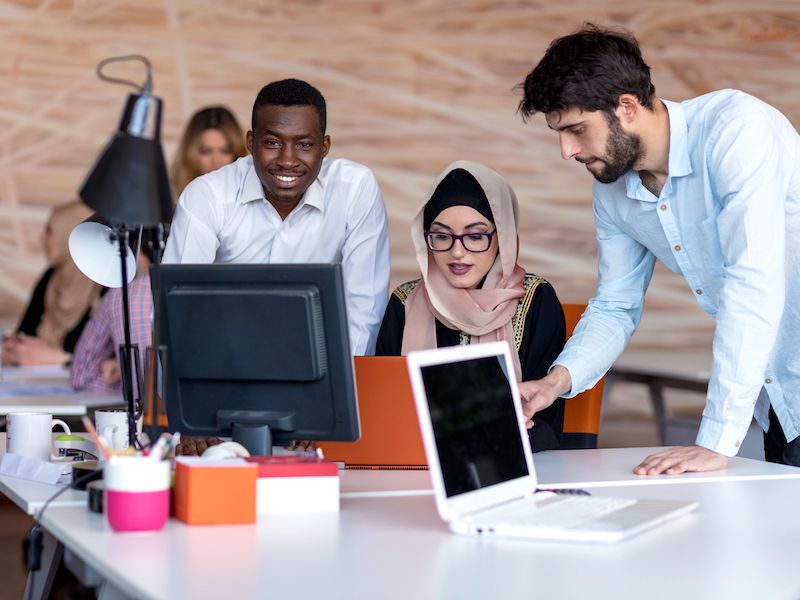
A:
<point x="257" y="344"/>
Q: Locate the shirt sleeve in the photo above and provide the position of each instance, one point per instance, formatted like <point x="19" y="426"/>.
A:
<point x="192" y="235"/>
<point x="749" y="175"/>
<point x="624" y="272"/>
<point x="93" y="348"/>
<point x="365" y="265"/>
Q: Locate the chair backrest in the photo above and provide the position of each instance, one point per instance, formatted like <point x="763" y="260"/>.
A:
<point x="390" y="435"/>
<point x="581" y="413"/>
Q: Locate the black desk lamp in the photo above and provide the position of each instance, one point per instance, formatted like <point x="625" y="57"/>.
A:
<point x="129" y="188"/>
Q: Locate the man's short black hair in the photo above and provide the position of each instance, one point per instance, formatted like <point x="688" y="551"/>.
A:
<point x="588" y="70"/>
<point x="291" y="92"/>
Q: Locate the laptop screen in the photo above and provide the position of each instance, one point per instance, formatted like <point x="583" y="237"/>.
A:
<point x="474" y="423"/>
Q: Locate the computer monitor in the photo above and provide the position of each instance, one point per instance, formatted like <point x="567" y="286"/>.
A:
<point x="259" y="353"/>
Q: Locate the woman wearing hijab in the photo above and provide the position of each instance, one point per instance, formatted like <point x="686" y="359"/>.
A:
<point x="61" y="302"/>
<point x="472" y="290"/>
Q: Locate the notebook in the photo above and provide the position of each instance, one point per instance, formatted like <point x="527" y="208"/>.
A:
<point x="390" y="437"/>
<point x="481" y="464"/>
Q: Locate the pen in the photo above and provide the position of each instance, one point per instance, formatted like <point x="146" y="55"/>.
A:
<point x="157" y="449"/>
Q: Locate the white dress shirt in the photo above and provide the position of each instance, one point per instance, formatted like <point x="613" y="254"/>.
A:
<point x="728" y="221"/>
<point x="223" y="217"/>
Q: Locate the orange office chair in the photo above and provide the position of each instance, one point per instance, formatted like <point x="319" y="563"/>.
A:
<point x="581" y="413"/>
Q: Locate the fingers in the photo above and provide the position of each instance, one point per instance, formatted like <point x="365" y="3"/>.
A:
<point x="681" y="460"/>
<point x="663" y="462"/>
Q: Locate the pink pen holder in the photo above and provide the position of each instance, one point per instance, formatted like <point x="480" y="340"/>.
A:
<point x="136" y="493"/>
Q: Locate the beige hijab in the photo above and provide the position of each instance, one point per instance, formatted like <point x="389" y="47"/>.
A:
<point x="485" y="313"/>
<point x="69" y="293"/>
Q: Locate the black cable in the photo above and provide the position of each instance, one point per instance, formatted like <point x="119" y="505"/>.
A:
<point x="32" y="544"/>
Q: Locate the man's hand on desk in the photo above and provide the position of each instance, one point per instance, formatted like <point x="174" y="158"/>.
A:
<point x="682" y="459"/>
<point x="538" y="394"/>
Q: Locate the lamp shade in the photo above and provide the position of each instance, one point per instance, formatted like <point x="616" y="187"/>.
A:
<point x="95" y="252"/>
<point x="129" y="184"/>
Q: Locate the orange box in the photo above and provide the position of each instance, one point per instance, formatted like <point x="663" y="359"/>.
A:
<point x="215" y="492"/>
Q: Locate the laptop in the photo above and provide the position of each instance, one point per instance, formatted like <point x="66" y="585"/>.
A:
<point x="481" y="463"/>
<point x="390" y="436"/>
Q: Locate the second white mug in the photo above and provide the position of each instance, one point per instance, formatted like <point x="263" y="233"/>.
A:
<point x="112" y="425"/>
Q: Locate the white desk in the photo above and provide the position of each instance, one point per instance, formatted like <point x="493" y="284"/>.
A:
<point x="47" y="389"/>
<point x="736" y="546"/>
<point x="608" y="467"/>
<point x="740" y="544"/>
<point x="30" y="496"/>
<point x="614" y="467"/>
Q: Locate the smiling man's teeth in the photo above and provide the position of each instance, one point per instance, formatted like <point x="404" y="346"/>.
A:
<point x="285" y="178"/>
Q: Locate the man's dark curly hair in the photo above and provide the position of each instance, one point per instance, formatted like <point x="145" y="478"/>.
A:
<point x="588" y="70"/>
<point x="291" y="92"/>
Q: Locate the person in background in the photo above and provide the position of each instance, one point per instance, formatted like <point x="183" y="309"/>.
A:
<point x="709" y="186"/>
<point x="95" y="364"/>
<point x="212" y="139"/>
<point x="473" y="290"/>
<point x="288" y="203"/>
<point x="61" y="302"/>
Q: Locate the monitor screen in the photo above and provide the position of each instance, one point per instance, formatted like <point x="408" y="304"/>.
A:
<point x="255" y="350"/>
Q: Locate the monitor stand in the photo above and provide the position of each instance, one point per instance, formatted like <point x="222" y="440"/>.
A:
<point x="256" y="438"/>
<point x="253" y="429"/>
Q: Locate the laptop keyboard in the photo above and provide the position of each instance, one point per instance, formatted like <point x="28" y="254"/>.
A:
<point x="558" y="512"/>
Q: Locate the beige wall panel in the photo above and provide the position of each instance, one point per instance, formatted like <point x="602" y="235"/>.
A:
<point x="411" y="87"/>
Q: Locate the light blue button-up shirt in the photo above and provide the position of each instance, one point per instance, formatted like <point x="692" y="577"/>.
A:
<point x="728" y="221"/>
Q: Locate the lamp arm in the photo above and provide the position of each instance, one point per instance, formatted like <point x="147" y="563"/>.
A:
<point x="127" y="360"/>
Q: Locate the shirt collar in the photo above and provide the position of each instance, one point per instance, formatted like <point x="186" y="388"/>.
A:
<point x="314" y="196"/>
<point x="679" y="163"/>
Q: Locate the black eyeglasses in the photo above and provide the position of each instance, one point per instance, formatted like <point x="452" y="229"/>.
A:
<point x="439" y="241"/>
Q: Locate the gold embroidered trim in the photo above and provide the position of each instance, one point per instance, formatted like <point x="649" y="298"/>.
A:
<point x="518" y="320"/>
<point x="403" y="290"/>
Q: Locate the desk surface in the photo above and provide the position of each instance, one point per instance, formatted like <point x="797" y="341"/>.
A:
<point x="614" y="467"/>
<point x="566" y="468"/>
<point x="47" y="389"/>
<point x="736" y="545"/>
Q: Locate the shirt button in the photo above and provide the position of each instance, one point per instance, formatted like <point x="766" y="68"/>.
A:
<point x="677" y="247"/>
<point x="663" y="207"/>
<point x="768" y="380"/>
<point x="699" y="292"/>
<point x="738" y="443"/>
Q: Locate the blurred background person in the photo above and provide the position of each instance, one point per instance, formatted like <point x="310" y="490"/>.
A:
<point x="211" y="139"/>
<point x="61" y="302"/>
<point x="95" y="363"/>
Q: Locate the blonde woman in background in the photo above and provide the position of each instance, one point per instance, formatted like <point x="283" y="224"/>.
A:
<point x="61" y="301"/>
<point x="212" y="139"/>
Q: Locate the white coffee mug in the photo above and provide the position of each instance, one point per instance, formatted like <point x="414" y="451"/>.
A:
<point x="31" y="434"/>
<point x="112" y="426"/>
